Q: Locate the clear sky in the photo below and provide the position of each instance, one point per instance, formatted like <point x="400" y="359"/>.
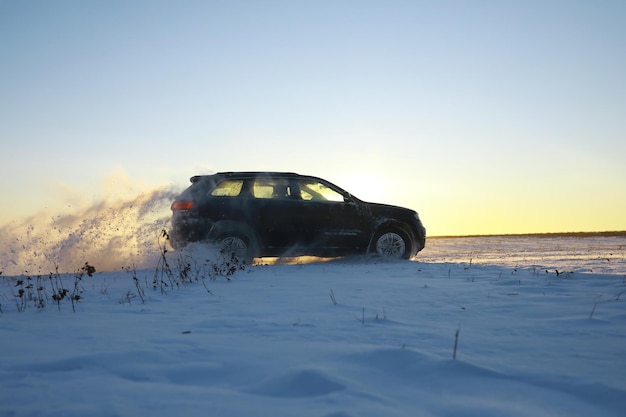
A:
<point x="484" y="116"/>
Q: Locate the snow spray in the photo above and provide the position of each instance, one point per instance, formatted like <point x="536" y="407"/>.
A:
<point x="108" y="235"/>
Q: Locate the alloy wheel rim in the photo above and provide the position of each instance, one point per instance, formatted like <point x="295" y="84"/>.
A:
<point x="390" y="244"/>
<point x="236" y="246"/>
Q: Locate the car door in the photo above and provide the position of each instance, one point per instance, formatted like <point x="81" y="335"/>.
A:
<point x="330" y="218"/>
<point x="277" y="213"/>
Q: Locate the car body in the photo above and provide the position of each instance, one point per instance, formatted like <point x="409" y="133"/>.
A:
<point x="257" y="214"/>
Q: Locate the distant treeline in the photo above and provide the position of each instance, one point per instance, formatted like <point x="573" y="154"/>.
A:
<point x="562" y="234"/>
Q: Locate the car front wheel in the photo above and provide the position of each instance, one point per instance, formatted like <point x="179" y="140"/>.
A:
<point x="393" y="244"/>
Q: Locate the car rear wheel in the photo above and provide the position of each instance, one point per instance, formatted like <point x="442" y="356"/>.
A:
<point x="237" y="246"/>
<point x="393" y="244"/>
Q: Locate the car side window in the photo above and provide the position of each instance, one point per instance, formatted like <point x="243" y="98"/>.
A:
<point x="262" y="188"/>
<point x="316" y="191"/>
<point x="227" y="188"/>
<point x="274" y="189"/>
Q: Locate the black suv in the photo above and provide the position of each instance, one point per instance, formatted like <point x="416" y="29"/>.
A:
<point x="255" y="214"/>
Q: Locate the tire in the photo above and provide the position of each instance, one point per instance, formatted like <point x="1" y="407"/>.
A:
<point x="392" y="243"/>
<point x="236" y="238"/>
<point x="237" y="245"/>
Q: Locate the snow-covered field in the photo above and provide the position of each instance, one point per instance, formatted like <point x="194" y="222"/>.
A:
<point x="356" y="337"/>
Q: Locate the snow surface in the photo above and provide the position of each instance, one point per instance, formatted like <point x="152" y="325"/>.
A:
<point x="271" y="342"/>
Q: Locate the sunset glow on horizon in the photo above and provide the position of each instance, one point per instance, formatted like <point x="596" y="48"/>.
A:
<point x="485" y="117"/>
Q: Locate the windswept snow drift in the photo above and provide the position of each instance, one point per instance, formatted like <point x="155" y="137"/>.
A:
<point x="339" y="339"/>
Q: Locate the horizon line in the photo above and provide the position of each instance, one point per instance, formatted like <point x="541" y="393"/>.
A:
<point x="616" y="233"/>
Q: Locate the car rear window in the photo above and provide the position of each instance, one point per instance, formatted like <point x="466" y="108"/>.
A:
<point x="228" y="188"/>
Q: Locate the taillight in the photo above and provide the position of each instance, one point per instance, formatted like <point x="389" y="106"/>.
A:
<point x="182" y="205"/>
